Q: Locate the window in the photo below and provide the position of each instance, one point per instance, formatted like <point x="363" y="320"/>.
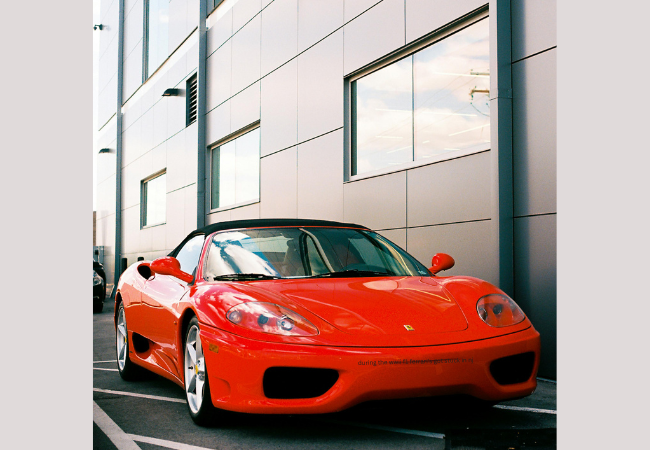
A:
<point x="236" y="171"/>
<point x="433" y="103"/>
<point x="156" y="34"/>
<point x="212" y="4"/>
<point x="192" y="100"/>
<point x="154" y="200"/>
<point x="190" y="253"/>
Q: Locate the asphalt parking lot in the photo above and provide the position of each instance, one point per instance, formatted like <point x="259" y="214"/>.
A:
<point x="152" y="414"/>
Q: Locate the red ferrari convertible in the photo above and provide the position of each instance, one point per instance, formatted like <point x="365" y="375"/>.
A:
<point x="310" y="316"/>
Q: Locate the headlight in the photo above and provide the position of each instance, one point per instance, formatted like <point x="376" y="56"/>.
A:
<point x="270" y="318"/>
<point x="499" y="310"/>
<point x="96" y="279"/>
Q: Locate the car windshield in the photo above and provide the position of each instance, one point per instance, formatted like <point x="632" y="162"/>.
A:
<point x="299" y="252"/>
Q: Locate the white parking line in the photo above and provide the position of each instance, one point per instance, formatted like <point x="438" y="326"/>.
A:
<point x="521" y="408"/>
<point x="547" y="380"/>
<point x="164" y="443"/>
<point x="102" y="368"/>
<point x="112" y="360"/>
<point x="384" y="428"/>
<point x="133" y="394"/>
<point x="118" y="437"/>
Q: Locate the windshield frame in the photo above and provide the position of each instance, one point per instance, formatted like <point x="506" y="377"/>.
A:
<point x="370" y="235"/>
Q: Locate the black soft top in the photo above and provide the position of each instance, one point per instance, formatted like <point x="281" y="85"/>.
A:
<point x="263" y="223"/>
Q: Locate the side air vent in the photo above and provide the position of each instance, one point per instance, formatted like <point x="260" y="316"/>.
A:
<point x="192" y="100"/>
<point x="140" y="343"/>
<point x="145" y="271"/>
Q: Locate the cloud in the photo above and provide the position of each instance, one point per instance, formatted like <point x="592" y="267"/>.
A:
<point x="396" y="77"/>
<point x="451" y="82"/>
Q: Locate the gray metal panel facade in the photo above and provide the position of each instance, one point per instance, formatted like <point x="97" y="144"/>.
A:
<point x="279" y="184"/>
<point x="320" y="87"/>
<point x="534" y="27"/>
<point x="382" y="25"/>
<point x="246" y="48"/>
<point x="284" y="63"/>
<point x="449" y="192"/>
<point x="279" y="34"/>
<point x="280" y="108"/>
<point x="317" y="19"/>
<point x="534" y="134"/>
<point x="378" y="202"/>
<point x="219" y="72"/>
<point x="534" y="67"/>
<point x="107" y="64"/>
<point x="536" y="280"/>
<point x="469" y="243"/>
<point x="424" y="16"/>
<point x="154" y="138"/>
<point x="245" y="10"/>
<point x="320" y="165"/>
<point x="245" y="107"/>
<point x="353" y="9"/>
<point x="133" y="35"/>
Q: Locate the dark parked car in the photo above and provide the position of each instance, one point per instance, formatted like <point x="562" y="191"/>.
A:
<point x="99" y="287"/>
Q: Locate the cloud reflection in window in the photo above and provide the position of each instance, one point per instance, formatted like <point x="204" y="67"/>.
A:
<point x="433" y="102"/>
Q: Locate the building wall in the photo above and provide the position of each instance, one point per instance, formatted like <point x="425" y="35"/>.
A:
<point x="105" y="190"/>
<point x="534" y="55"/>
<point x="107" y="135"/>
<point x="285" y="66"/>
<point x="284" y="63"/>
<point x="107" y="68"/>
<point x="155" y="136"/>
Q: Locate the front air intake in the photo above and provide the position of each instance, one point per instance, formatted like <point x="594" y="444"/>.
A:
<point x="298" y="382"/>
<point x="513" y="369"/>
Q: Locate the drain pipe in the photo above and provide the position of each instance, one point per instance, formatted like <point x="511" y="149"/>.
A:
<point x="501" y="145"/>
<point x="118" y="146"/>
<point x="201" y="84"/>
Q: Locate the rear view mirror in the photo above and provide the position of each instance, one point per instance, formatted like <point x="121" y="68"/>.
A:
<point x="169" y="265"/>
<point x="440" y="262"/>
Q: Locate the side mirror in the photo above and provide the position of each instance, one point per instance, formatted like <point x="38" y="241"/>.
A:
<point x="440" y="262"/>
<point x="169" y="265"/>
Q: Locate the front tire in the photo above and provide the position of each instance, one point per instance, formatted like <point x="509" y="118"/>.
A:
<point x="197" y="389"/>
<point x="127" y="369"/>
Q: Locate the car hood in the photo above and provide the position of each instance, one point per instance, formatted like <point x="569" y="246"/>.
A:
<point x="368" y="311"/>
<point x="377" y="305"/>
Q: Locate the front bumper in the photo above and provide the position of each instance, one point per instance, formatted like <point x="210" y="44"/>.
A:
<point x="236" y="369"/>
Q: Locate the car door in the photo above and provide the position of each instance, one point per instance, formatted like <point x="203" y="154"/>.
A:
<point x="160" y="296"/>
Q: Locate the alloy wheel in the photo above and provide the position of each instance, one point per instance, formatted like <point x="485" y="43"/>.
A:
<point x="122" y="348"/>
<point x="194" y="369"/>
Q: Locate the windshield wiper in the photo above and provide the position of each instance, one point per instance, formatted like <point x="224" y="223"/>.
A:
<point x="244" y="276"/>
<point x="352" y="273"/>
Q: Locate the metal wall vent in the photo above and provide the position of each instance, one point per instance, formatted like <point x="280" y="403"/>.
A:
<point x="192" y="100"/>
